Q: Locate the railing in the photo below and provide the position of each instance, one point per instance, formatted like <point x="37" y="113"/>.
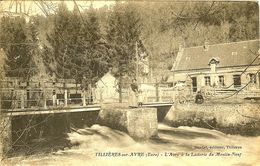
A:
<point x="18" y="95"/>
<point x="35" y="95"/>
<point x="157" y="95"/>
<point x="152" y="94"/>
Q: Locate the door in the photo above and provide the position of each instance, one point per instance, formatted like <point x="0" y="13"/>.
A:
<point x="194" y="84"/>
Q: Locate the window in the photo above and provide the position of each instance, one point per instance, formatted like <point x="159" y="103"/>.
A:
<point x="207" y="80"/>
<point x="221" y="80"/>
<point x="252" y="78"/>
<point x="237" y="80"/>
<point x="213" y="64"/>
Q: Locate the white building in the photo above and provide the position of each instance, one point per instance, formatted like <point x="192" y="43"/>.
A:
<point x="226" y="65"/>
<point x="107" y="89"/>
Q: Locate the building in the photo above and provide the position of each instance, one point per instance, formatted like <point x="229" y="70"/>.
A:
<point x="107" y="89"/>
<point x="227" y="65"/>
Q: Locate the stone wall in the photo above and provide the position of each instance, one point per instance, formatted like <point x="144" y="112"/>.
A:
<point x="139" y="123"/>
<point x="18" y="132"/>
<point x="230" y="118"/>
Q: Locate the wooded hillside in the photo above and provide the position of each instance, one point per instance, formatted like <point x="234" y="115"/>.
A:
<point x="74" y="44"/>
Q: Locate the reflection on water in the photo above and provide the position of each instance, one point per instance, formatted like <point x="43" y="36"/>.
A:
<point x="89" y="142"/>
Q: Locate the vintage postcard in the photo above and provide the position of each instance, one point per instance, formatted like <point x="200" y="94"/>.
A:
<point x="129" y="83"/>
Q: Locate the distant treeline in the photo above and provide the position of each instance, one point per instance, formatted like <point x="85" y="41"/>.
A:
<point x="76" y="44"/>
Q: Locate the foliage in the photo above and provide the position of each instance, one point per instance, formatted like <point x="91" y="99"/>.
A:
<point x="86" y="44"/>
<point x="18" y="42"/>
<point x="168" y="24"/>
<point x="123" y="33"/>
<point x="77" y="48"/>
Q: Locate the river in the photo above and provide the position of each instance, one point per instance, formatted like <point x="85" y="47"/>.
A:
<point x="100" y="145"/>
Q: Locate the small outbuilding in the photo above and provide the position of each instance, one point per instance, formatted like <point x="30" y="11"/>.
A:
<point x="107" y="89"/>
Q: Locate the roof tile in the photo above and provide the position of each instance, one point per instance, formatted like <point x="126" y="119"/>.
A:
<point x="228" y="54"/>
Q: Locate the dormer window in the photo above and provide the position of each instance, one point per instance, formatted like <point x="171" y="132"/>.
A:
<point x="213" y="63"/>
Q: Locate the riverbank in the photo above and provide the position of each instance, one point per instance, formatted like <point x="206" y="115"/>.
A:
<point x="232" y="118"/>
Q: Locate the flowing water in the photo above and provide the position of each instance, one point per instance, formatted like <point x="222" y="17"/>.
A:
<point x="174" y="146"/>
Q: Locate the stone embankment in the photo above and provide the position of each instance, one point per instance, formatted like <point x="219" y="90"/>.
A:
<point x="231" y="118"/>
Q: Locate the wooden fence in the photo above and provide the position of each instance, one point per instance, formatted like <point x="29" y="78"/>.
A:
<point x="24" y="95"/>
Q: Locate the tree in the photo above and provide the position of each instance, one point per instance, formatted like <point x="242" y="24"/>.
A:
<point x="97" y="52"/>
<point x="33" y="49"/>
<point x="58" y="39"/>
<point x="124" y="31"/>
<point x="77" y="48"/>
<point x="17" y="47"/>
<point x="65" y="43"/>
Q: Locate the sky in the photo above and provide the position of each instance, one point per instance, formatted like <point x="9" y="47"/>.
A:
<point x="34" y="7"/>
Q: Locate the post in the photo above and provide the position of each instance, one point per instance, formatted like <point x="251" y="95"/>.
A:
<point x="66" y="97"/>
<point x="22" y="99"/>
<point x="83" y="98"/>
<point x="28" y="95"/>
<point x="44" y="99"/>
<point x="15" y="100"/>
<point x="157" y="91"/>
<point x="53" y="97"/>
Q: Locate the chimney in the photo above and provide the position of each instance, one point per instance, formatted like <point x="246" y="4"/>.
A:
<point x="206" y="46"/>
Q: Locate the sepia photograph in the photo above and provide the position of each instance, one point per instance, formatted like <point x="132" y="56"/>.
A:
<point x="129" y="83"/>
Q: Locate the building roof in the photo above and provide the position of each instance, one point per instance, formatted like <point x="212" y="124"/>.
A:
<point x="107" y="80"/>
<point x="228" y="54"/>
